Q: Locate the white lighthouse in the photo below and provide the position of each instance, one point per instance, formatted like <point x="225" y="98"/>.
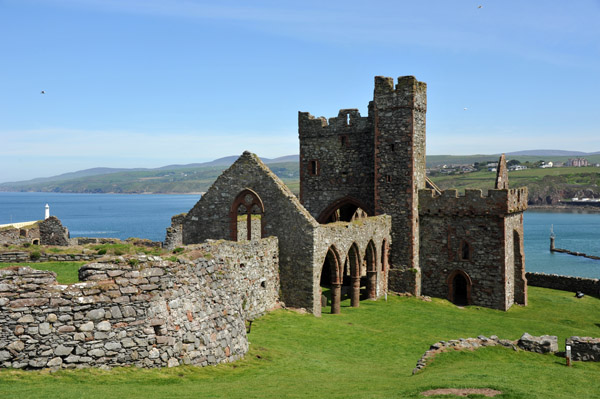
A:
<point x="47" y="214"/>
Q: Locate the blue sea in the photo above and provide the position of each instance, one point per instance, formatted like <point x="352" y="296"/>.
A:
<point x="147" y="216"/>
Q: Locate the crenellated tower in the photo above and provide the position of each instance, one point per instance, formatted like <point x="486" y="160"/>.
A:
<point x="399" y="134"/>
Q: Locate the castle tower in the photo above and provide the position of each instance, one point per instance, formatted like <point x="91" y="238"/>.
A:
<point x="399" y="137"/>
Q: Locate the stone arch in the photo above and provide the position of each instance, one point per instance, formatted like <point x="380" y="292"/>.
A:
<point x="344" y="209"/>
<point x="459" y="287"/>
<point x="370" y="262"/>
<point x="331" y="274"/>
<point x="250" y="203"/>
<point x="353" y="261"/>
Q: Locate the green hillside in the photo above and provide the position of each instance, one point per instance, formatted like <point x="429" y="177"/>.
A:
<point x="552" y="183"/>
<point x="158" y="181"/>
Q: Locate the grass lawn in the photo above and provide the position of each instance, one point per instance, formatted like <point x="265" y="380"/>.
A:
<point x="66" y="272"/>
<point x="368" y="352"/>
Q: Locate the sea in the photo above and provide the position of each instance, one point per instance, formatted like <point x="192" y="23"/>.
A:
<point x="148" y="215"/>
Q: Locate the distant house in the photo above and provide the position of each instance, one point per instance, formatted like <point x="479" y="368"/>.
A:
<point x="577" y="162"/>
<point x="517" y="167"/>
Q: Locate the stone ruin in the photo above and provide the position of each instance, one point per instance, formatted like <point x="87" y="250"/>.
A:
<point x="368" y="219"/>
<point x="144" y="311"/>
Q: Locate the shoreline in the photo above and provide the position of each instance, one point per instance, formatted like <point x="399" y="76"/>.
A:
<point x="565" y="208"/>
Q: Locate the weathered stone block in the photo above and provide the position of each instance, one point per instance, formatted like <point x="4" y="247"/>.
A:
<point x="542" y="344"/>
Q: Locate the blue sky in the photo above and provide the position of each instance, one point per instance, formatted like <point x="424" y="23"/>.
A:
<point x="132" y="83"/>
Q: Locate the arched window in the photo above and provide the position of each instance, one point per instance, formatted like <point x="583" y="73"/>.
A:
<point x="247" y="216"/>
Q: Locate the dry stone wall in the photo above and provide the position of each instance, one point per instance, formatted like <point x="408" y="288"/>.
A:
<point x="585" y="349"/>
<point x="142" y="311"/>
<point x="589" y="286"/>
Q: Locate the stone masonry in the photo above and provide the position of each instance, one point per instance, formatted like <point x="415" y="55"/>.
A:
<point x="249" y="201"/>
<point x="142" y="311"/>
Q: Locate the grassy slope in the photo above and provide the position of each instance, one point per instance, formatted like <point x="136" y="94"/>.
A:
<point x="364" y="352"/>
<point x="585" y="177"/>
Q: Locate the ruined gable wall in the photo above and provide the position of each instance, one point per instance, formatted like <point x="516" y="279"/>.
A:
<point x="52" y="232"/>
<point x="399" y="123"/>
<point x="284" y="218"/>
<point x="342" y="235"/>
<point x="343" y="150"/>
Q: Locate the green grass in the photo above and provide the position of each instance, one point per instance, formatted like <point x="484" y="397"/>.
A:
<point x="368" y="352"/>
<point x="66" y="272"/>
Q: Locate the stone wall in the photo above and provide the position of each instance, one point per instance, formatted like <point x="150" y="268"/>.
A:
<point x="142" y="311"/>
<point x="584" y="349"/>
<point x="21" y="257"/>
<point x="589" y="286"/>
<point x="174" y="237"/>
<point x="52" y="232"/>
<point x="20" y="236"/>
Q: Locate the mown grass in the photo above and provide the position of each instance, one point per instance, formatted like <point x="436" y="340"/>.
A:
<point x="368" y="352"/>
<point x="66" y="272"/>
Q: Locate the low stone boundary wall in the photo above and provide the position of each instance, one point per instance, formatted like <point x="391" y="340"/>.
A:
<point x="21" y="257"/>
<point x="588" y="286"/>
<point x="584" y="349"/>
<point x="138" y="310"/>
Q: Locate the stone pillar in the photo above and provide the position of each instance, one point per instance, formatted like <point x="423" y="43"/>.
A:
<point x="336" y="294"/>
<point x="372" y="284"/>
<point x="355" y="299"/>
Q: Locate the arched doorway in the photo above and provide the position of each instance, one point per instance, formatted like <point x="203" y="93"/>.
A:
<point x="247" y="216"/>
<point x="331" y="278"/>
<point x="345" y="209"/>
<point x="459" y="288"/>
<point x="371" y="271"/>
<point x="353" y="261"/>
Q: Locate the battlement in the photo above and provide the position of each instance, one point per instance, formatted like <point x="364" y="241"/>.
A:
<point x="473" y="203"/>
<point x="407" y="93"/>
<point x="348" y="121"/>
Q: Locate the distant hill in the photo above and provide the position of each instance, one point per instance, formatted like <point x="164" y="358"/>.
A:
<point x="191" y="178"/>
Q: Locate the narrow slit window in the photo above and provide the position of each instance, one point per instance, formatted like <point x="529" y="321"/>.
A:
<point x="314" y="167"/>
<point x="344" y="140"/>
